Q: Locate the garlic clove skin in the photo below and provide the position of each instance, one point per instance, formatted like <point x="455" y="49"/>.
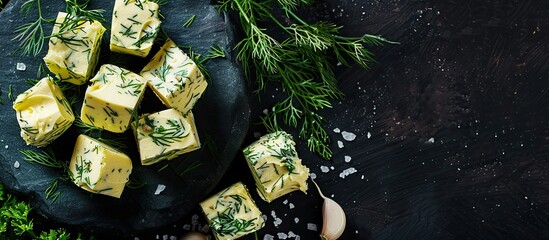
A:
<point x="194" y="236"/>
<point x="333" y="218"/>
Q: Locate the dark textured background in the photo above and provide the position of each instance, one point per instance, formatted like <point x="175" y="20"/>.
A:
<point x="472" y="75"/>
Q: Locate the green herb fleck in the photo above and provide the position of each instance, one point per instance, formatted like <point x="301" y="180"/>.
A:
<point x="189" y="21"/>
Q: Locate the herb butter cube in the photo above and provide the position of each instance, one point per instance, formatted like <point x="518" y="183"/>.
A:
<point x="232" y="213"/>
<point x="43" y="113"/>
<point x="276" y="168"/>
<point x="111" y="98"/>
<point x="73" y="53"/>
<point x="135" y="24"/>
<point x="175" y="78"/>
<point x="165" y="135"/>
<point x="99" y="168"/>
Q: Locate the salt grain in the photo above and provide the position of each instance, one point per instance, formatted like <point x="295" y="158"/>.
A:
<point x="431" y="140"/>
<point x="296" y="220"/>
<point x="368" y="135"/>
<point x="291" y="234"/>
<point x="173" y="238"/>
<point x="348" y="136"/>
<point x="165" y="237"/>
<point x="160" y="188"/>
<point x="312" y="175"/>
<point x="336" y="130"/>
<point x="340" y="144"/>
<point x="324" y="169"/>
<point x="21" y="67"/>
<point x="277" y="222"/>
<point x="285" y="202"/>
<point x="292" y="206"/>
<point x="6" y="146"/>
<point x="347" y="172"/>
<point x="268" y="237"/>
<point x="347" y="159"/>
<point x="312" y="227"/>
<point x="16" y="164"/>
<point x="282" y="235"/>
<point x="187" y="227"/>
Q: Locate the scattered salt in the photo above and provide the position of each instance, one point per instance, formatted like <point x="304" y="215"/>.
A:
<point x="173" y="238"/>
<point x="340" y="144"/>
<point x="277" y="222"/>
<point x="324" y="169"/>
<point x="135" y="238"/>
<point x="296" y="220"/>
<point x="205" y="228"/>
<point x="297" y="237"/>
<point x="336" y="130"/>
<point x="265" y="111"/>
<point x="268" y="237"/>
<point x="362" y="177"/>
<point x="273" y="213"/>
<point x="292" y="206"/>
<point x="291" y="234"/>
<point x="369" y="135"/>
<point x="285" y="202"/>
<point x="312" y="175"/>
<point x="348" y="136"/>
<point x="21" y="67"/>
<point x="187" y="227"/>
<point x="282" y="235"/>
<point x="332" y="167"/>
<point x="431" y="140"/>
<point x="312" y="227"/>
<point x="160" y="188"/>
<point x="16" y="164"/>
<point x="347" y="172"/>
<point x="6" y="146"/>
<point x="348" y="159"/>
<point x="165" y="237"/>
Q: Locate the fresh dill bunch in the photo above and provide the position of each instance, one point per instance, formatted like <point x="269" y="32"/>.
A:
<point x="300" y="63"/>
<point x="32" y="36"/>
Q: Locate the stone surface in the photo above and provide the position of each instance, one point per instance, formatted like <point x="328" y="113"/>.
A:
<point x="222" y="114"/>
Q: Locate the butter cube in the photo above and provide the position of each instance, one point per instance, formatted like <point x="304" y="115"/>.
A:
<point x="112" y="97"/>
<point x="135" y="24"/>
<point x="99" y="168"/>
<point x="165" y="135"/>
<point x="175" y="78"/>
<point x="43" y="113"/>
<point x="232" y="213"/>
<point x="72" y="56"/>
<point x="276" y="168"/>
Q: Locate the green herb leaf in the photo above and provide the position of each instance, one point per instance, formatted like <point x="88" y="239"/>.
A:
<point x="189" y="21"/>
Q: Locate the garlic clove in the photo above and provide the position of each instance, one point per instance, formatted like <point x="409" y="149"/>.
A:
<point x="333" y="218"/>
<point x="194" y="236"/>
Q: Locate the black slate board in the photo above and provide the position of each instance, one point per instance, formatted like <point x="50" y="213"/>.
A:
<point x="222" y="114"/>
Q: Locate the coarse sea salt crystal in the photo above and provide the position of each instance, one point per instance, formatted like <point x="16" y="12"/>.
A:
<point x="324" y="169"/>
<point x="187" y="227"/>
<point x="340" y="144"/>
<point x="296" y="220"/>
<point x="20" y="66"/>
<point x="16" y="164"/>
<point x="268" y="237"/>
<point x="292" y="206"/>
<point x="282" y="235"/>
<point x="312" y="175"/>
<point x="348" y="136"/>
<point x="285" y="202"/>
<point x="312" y="227"/>
<point x="368" y="135"/>
<point x="431" y="140"/>
<point x="173" y="238"/>
<point x="160" y="188"/>
<point x="348" y="159"/>
<point x="347" y="172"/>
<point x="291" y="234"/>
<point x="336" y="130"/>
<point x="277" y="222"/>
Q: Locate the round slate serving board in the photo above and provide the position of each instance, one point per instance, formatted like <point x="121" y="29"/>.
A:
<point x="222" y="115"/>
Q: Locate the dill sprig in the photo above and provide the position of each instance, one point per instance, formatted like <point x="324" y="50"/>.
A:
<point x="46" y="158"/>
<point x="32" y="36"/>
<point x="300" y="63"/>
<point x="189" y="21"/>
<point x="52" y="192"/>
<point x="85" y="128"/>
